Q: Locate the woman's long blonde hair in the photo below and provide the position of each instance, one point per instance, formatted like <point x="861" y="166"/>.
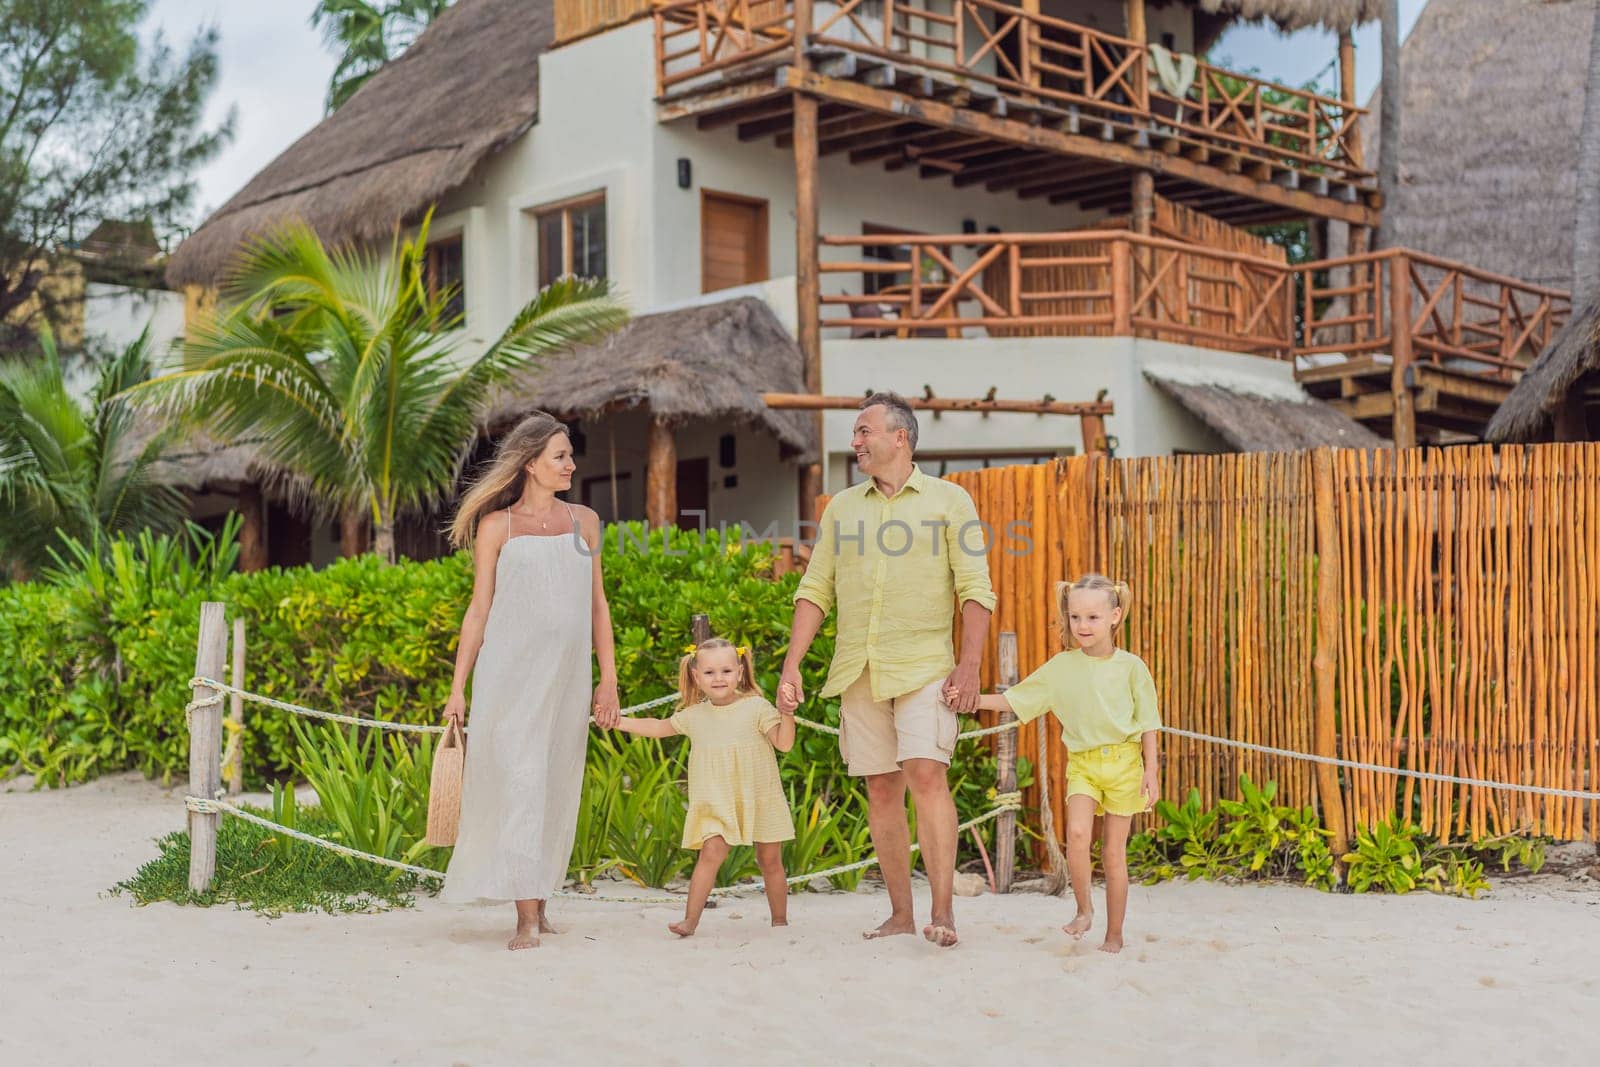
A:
<point x="1117" y="592"/>
<point x="501" y="485"/>
<point x="689" y="691"/>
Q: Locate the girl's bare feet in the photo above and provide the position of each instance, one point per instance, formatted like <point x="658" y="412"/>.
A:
<point x="681" y="928"/>
<point x="1079" y="925"/>
<point x="527" y="936"/>
<point x="1112" y="943"/>
<point x="941" y="931"/>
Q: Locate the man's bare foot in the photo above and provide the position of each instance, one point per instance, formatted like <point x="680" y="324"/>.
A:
<point x="546" y="928"/>
<point x="1079" y="925"/>
<point x="890" y="927"/>
<point x="525" y="937"/>
<point x="681" y="928"/>
<point x="1112" y="943"/>
<point x="941" y="931"/>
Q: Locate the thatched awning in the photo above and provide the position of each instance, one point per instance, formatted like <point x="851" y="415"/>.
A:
<point x="1491" y="105"/>
<point x="708" y="362"/>
<point x="1528" y="414"/>
<point x="467" y="86"/>
<point x="1254" y="415"/>
<point x="197" y="461"/>
<point x="1291" y="15"/>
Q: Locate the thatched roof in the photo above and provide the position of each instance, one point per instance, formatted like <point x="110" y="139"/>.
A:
<point x="466" y="87"/>
<point x="707" y="362"/>
<point x="1491" y="106"/>
<point x="1573" y="356"/>
<point x="198" y="460"/>
<point x="1291" y="15"/>
<point x="1253" y="415"/>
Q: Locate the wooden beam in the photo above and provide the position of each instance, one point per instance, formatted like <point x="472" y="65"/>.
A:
<point x="842" y="124"/>
<point x="661" y="475"/>
<point x="691" y="104"/>
<point x="811" y="402"/>
<point x="780" y="105"/>
<point x="1404" y="431"/>
<point x="808" y="281"/>
<point x="253" y="530"/>
<point x="1133" y="17"/>
<point x="1020" y="133"/>
<point x="1144" y="183"/>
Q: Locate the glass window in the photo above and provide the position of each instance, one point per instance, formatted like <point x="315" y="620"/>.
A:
<point x="446" y="274"/>
<point x="572" y="240"/>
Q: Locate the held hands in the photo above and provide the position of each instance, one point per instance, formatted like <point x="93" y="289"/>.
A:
<point x="791" y="691"/>
<point x="455" y="709"/>
<point x="961" y="689"/>
<point x="606" y="706"/>
<point x="1151" y="788"/>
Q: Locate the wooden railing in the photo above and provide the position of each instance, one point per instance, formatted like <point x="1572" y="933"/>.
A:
<point x="1079" y="283"/>
<point x="1453" y="314"/>
<point x="1115" y="283"/>
<point x="1032" y="58"/>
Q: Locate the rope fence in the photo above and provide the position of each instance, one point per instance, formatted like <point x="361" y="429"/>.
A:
<point x="204" y="801"/>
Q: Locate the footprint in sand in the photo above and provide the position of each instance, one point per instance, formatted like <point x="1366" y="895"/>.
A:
<point x="1218" y="944"/>
<point x="1152" y="937"/>
<point x="1032" y="940"/>
<point x="1487" y="982"/>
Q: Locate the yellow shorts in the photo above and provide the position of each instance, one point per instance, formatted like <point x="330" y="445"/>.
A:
<point x="1112" y="774"/>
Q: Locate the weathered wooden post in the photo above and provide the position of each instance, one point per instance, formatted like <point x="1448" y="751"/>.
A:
<point x="700" y="626"/>
<point x="1121" y="288"/>
<point x="1403" y="424"/>
<point x="1005" y="759"/>
<point x="1325" y="737"/>
<point x="205" y="744"/>
<point x="236" y="710"/>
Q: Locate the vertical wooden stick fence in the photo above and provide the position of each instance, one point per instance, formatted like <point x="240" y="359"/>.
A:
<point x="205" y="745"/>
<point x="1005" y="827"/>
<point x="236" y="711"/>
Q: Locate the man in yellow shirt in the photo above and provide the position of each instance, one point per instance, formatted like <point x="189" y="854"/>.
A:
<point x="894" y="553"/>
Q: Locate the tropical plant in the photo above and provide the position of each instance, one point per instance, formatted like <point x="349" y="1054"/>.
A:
<point x="368" y="35"/>
<point x="94" y="125"/>
<point x="348" y="367"/>
<point x="72" y="469"/>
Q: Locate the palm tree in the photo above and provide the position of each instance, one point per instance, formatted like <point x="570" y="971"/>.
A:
<point x="345" y="366"/>
<point x="368" y="35"/>
<point x="1389" y="114"/>
<point x="70" y="469"/>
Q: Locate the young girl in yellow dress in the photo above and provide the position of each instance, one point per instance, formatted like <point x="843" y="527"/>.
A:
<point x="1105" y="700"/>
<point x="735" y="795"/>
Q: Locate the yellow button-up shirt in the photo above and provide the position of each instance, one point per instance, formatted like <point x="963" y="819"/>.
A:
<point x="895" y="566"/>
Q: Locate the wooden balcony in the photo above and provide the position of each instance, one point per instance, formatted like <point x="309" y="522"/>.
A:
<point x="986" y="91"/>
<point x="1466" y="337"/>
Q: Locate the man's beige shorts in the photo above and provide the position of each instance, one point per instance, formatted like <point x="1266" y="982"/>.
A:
<point x="876" y="736"/>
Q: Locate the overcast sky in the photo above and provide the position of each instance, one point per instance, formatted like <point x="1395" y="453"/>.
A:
<point x="275" y="70"/>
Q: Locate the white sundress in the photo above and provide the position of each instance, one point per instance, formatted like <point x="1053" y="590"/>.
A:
<point x="528" y="726"/>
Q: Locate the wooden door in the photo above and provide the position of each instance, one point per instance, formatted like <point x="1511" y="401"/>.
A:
<point x="733" y="240"/>
<point x="694" y="491"/>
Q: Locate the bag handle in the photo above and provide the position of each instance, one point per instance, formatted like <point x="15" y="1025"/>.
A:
<point x="453" y="738"/>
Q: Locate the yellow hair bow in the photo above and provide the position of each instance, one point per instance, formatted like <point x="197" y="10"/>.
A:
<point x="690" y="650"/>
<point x="743" y="650"/>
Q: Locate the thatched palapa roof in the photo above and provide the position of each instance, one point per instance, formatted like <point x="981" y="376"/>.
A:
<point x="1492" y="100"/>
<point x="1291" y="15"/>
<point x="466" y="87"/>
<point x="710" y="361"/>
<point x="1256" y="415"/>
<point x="1572" y="361"/>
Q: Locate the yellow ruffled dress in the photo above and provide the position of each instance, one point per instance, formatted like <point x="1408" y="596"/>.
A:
<point x="734" y="788"/>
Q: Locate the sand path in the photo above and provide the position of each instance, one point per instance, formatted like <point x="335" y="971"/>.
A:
<point x="1213" y="974"/>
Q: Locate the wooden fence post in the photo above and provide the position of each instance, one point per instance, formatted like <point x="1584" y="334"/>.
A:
<point x="236" y="710"/>
<point x="205" y="741"/>
<point x="700" y="627"/>
<point x="1326" y="658"/>
<point x="1005" y="758"/>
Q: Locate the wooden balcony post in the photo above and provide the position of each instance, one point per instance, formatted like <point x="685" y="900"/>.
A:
<point x="1144" y="202"/>
<point x="1121" y="288"/>
<point x="1133" y="11"/>
<point x="1404" y="425"/>
<point x="1347" y="94"/>
<point x="1030" y="43"/>
<point x="807" y="279"/>
<point x="253" y="529"/>
<point x="661" y="475"/>
<point x="1134" y="17"/>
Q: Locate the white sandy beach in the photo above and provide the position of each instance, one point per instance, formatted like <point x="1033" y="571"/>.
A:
<point x="1213" y="974"/>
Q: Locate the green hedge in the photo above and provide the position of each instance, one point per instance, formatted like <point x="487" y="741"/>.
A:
<point x="101" y="658"/>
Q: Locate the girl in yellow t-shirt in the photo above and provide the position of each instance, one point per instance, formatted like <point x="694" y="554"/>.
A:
<point x="735" y="795"/>
<point x="1105" y="700"/>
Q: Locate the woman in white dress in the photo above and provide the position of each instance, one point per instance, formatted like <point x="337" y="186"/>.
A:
<point x="537" y="598"/>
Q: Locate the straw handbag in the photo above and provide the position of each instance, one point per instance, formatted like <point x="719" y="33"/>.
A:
<point x="444" y="788"/>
